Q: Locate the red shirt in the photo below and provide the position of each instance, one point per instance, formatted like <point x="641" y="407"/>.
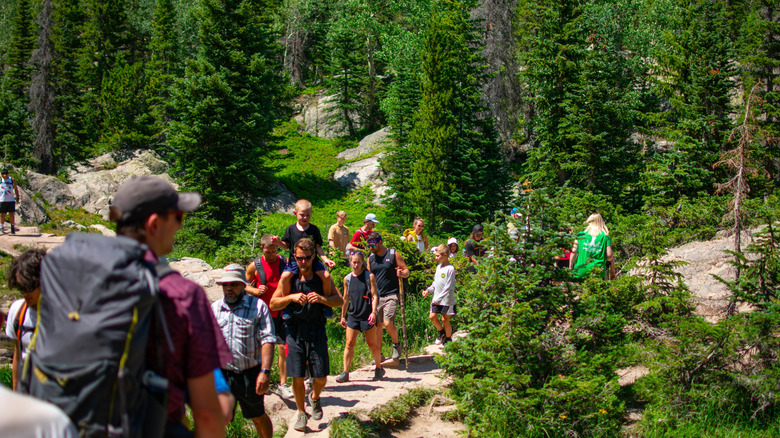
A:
<point x="358" y="238"/>
<point x="273" y="273"/>
<point x="199" y="347"/>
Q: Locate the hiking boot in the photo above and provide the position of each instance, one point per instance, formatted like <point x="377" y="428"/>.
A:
<point x="300" y="423"/>
<point x="316" y="408"/>
<point x="378" y="374"/>
<point x="343" y="377"/>
<point x="396" y="351"/>
<point x="446" y="341"/>
<point x="284" y="391"/>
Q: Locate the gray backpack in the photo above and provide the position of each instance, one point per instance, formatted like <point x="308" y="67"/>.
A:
<point x="88" y="354"/>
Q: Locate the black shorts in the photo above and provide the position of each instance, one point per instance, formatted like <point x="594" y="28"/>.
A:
<point x="281" y="330"/>
<point x="242" y="386"/>
<point x="310" y="350"/>
<point x="356" y="324"/>
<point x="443" y="310"/>
<point x="7" y="207"/>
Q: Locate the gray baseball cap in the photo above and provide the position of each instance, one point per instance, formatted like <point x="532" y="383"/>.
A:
<point x="140" y="196"/>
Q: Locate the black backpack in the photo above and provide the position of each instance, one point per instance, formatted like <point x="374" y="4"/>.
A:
<point x="88" y="354"/>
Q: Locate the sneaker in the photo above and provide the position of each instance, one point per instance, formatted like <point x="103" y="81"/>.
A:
<point x="316" y="408"/>
<point x="343" y="377"/>
<point x="439" y="338"/>
<point x="378" y="373"/>
<point x="396" y="351"/>
<point x="300" y="423"/>
<point x="284" y="391"/>
<point x="446" y="341"/>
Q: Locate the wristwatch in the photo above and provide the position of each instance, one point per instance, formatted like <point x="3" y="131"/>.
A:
<point x="266" y="371"/>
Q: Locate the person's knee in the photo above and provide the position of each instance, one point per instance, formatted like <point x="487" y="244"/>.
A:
<point x="432" y="316"/>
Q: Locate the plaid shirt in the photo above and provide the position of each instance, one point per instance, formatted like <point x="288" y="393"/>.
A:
<point x="246" y="327"/>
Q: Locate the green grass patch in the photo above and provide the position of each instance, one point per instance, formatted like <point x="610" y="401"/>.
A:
<point x="350" y="426"/>
<point x="6" y="375"/>
<point x="77" y="215"/>
<point x="396" y="411"/>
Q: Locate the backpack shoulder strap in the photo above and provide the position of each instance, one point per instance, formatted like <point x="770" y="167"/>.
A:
<point x="260" y="271"/>
<point x="391" y="253"/>
<point x="19" y="321"/>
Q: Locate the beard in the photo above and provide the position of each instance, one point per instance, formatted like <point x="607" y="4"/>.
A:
<point x="234" y="299"/>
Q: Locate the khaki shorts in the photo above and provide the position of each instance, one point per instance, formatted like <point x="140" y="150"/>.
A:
<point x="387" y="307"/>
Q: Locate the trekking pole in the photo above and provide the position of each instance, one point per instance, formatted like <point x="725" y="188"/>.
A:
<point x="403" y="322"/>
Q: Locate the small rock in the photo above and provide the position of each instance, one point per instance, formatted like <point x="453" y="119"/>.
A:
<point x="103" y="230"/>
<point x="73" y="225"/>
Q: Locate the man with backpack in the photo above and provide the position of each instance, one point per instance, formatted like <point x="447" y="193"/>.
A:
<point x="263" y="274"/>
<point x="388" y="266"/>
<point x="9" y="196"/>
<point x="149" y="210"/>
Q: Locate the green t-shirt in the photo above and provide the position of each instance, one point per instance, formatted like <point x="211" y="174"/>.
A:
<point x="591" y="252"/>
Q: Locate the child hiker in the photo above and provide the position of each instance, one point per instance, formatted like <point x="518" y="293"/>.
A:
<point x="443" y="289"/>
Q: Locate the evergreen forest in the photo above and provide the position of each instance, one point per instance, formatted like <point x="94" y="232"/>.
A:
<point x="661" y="115"/>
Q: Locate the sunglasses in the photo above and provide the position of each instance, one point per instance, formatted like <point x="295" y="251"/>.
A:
<point x="303" y="259"/>
<point x="234" y="284"/>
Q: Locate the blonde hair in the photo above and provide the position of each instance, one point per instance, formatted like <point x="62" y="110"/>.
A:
<point x="302" y="204"/>
<point x="341" y="213"/>
<point x="442" y="249"/>
<point x="596" y="225"/>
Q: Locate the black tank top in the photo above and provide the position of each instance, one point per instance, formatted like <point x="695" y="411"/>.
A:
<point x="383" y="269"/>
<point x="309" y="311"/>
<point x="359" y="296"/>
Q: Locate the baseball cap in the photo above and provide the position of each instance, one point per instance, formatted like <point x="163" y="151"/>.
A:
<point x="371" y="217"/>
<point x="452" y="240"/>
<point x="232" y="273"/>
<point x="140" y="196"/>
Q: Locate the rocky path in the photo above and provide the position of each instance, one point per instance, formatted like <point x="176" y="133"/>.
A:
<point x="360" y="395"/>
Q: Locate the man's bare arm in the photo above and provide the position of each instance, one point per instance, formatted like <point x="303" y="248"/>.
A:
<point x="206" y="412"/>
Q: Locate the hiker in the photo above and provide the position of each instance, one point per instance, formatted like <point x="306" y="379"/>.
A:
<point x="149" y="210"/>
<point x="388" y="266"/>
<point x="452" y="246"/>
<point x="303" y="228"/>
<point x="358" y="314"/>
<point x="22" y="416"/>
<point x="338" y="234"/>
<point x="25" y="276"/>
<point x="264" y="274"/>
<point x="9" y="196"/>
<point x="246" y="324"/>
<point x="305" y="295"/>
<point x="417" y="235"/>
<point x="443" y="290"/>
<point x="593" y="249"/>
<point x="473" y="247"/>
<point x="361" y="235"/>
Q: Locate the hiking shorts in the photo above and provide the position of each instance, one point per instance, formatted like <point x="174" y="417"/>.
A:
<point x="307" y="351"/>
<point x="242" y="386"/>
<point x="388" y="306"/>
<point x="281" y="331"/>
<point x="7" y="207"/>
<point x="356" y="324"/>
<point x="443" y="310"/>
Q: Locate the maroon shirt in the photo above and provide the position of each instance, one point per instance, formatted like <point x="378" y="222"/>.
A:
<point x="197" y="340"/>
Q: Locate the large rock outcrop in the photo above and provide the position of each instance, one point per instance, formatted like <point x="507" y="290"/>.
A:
<point x="319" y="117"/>
<point x="367" y="171"/>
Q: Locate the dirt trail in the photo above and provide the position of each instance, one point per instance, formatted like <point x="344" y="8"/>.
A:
<point x="361" y="395"/>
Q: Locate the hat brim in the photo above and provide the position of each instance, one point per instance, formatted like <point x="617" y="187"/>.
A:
<point x="188" y="201"/>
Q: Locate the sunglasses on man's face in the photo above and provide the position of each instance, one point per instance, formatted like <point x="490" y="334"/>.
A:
<point x="303" y="259"/>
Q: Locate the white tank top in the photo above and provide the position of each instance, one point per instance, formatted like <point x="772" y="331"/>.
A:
<point x="7" y="189"/>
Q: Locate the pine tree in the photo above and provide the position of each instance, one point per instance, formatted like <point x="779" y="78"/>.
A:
<point x="226" y="105"/>
<point x="458" y="173"/>
<point x="162" y="67"/>
<point x="17" y="136"/>
<point x="347" y="71"/>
